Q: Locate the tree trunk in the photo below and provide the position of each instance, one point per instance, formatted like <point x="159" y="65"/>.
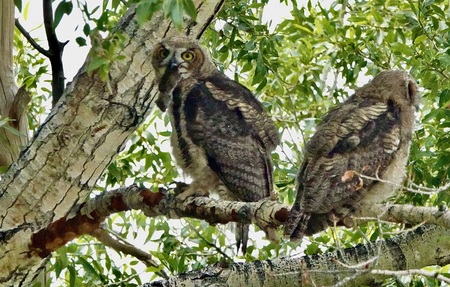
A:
<point x="12" y="102"/>
<point x="78" y="140"/>
<point x="360" y="265"/>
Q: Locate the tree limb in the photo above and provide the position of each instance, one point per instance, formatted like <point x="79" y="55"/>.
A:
<point x="348" y="267"/>
<point x="31" y="40"/>
<point x="55" y="52"/>
<point x="120" y="245"/>
<point x="263" y="213"/>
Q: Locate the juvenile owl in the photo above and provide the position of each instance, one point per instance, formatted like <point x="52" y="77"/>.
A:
<point x="367" y="135"/>
<point x="221" y="136"/>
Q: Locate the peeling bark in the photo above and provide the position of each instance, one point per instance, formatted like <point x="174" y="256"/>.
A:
<point x="78" y="140"/>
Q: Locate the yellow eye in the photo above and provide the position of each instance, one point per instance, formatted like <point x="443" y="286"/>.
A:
<point x="163" y="53"/>
<point x="188" y="56"/>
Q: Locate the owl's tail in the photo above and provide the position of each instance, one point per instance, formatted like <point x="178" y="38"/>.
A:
<point x="241" y="236"/>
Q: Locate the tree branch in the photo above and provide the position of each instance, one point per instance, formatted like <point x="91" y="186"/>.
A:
<point x="263" y="213"/>
<point x="104" y="236"/>
<point x="405" y="213"/>
<point x="14" y="133"/>
<point x="412" y="250"/>
<point x="55" y="51"/>
<point x="31" y="40"/>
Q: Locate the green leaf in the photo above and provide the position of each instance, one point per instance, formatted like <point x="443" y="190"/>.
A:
<point x="145" y="10"/>
<point x="86" y="29"/>
<point x="190" y="9"/>
<point x="88" y="267"/>
<point x="420" y="39"/>
<point x="444" y="98"/>
<point x="176" y="13"/>
<point x="72" y="275"/>
<point x="97" y="63"/>
<point x="81" y="41"/>
<point x="62" y="8"/>
<point x="18" y="4"/>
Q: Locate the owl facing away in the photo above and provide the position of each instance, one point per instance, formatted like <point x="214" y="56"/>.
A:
<point x="359" y="141"/>
<point x="221" y="135"/>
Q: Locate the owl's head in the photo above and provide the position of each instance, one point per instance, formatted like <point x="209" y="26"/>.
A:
<point x="182" y="56"/>
<point x="393" y="86"/>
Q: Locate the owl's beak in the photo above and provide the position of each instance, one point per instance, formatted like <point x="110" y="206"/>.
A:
<point x="173" y="63"/>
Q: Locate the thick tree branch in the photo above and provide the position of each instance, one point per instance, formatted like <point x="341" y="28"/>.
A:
<point x="348" y="267"/>
<point x="405" y="213"/>
<point x="89" y="216"/>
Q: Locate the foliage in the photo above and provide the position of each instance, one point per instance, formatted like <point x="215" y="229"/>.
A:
<point x="30" y="67"/>
<point x="299" y="69"/>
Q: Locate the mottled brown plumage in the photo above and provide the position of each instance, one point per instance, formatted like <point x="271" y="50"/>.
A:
<point x="367" y="135"/>
<point x="221" y="137"/>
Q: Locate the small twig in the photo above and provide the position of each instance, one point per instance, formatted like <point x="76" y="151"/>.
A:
<point x="209" y="243"/>
<point x="348" y="279"/>
<point x="359" y="265"/>
<point x="421" y="272"/>
<point x="124" y="247"/>
<point x="416" y="188"/>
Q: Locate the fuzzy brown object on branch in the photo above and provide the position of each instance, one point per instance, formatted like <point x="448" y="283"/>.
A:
<point x="367" y="135"/>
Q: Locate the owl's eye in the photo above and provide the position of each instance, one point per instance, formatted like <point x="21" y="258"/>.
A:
<point x="163" y="53"/>
<point x="188" y="56"/>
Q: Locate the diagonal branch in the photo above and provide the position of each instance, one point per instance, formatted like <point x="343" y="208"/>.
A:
<point x="119" y="244"/>
<point x="31" y="40"/>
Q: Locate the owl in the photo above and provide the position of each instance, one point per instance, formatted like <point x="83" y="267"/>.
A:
<point x="364" y="139"/>
<point x="221" y="135"/>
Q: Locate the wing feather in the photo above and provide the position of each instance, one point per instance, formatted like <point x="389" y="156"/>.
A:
<point x="232" y="146"/>
<point x="357" y="137"/>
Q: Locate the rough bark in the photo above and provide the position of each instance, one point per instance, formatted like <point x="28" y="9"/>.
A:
<point x="13" y="102"/>
<point x="80" y="137"/>
<point x="356" y="266"/>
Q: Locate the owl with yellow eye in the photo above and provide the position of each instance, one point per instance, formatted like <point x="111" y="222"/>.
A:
<point x="221" y="135"/>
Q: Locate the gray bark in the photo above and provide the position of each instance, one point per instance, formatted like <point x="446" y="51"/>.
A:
<point x="78" y="140"/>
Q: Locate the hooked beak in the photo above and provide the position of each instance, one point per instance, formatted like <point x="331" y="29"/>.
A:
<point x="173" y="63"/>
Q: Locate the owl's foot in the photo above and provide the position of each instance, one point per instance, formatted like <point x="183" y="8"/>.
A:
<point x="192" y="190"/>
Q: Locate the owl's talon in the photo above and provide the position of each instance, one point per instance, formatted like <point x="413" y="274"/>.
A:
<point x="190" y="191"/>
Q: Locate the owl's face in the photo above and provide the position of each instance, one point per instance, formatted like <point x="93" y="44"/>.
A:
<point x="179" y="57"/>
